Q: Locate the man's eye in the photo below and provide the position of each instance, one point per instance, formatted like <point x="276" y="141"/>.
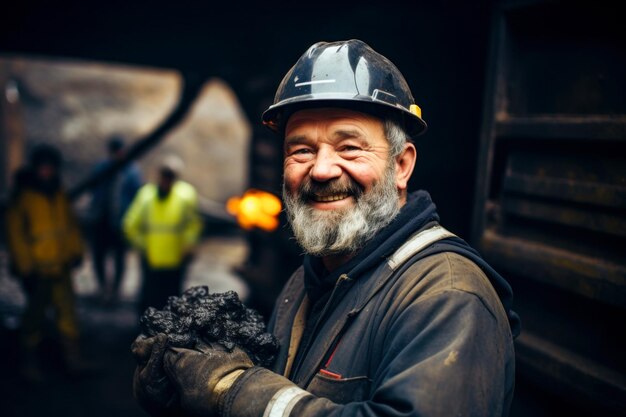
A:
<point x="301" y="151"/>
<point x="350" y="148"/>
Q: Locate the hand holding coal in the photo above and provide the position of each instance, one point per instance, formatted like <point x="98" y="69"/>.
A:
<point x="151" y="387"/>
<point x="197" y="316"/>
<point x="203" y="375"/>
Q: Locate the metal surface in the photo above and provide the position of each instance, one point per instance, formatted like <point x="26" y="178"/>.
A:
<point x="550" y="204"/>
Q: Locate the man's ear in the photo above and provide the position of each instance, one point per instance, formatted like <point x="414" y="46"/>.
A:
<point x="405" y="162"/>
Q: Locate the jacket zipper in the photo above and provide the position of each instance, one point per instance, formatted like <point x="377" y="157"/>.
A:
<point x="340" y="280"/>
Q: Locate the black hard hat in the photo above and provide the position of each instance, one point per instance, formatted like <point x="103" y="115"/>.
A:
<point x="347" y="74"/>
<point x="45" y="154"/>
<point x="115" y="143"/>
<point x="171" y="165"/>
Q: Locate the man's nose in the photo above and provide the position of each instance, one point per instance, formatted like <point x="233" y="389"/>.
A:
<point x="325" y="167"/>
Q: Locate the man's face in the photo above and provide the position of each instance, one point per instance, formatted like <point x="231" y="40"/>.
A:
<point x="165" y="182"/>
<point x="117" y="155"/>
<point x="340" y="184"/>
<point x="46" y="172"/>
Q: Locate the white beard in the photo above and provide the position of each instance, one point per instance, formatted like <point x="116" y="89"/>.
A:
<point x="346" y="230"/>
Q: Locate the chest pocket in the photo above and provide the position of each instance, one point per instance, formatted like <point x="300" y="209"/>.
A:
<point x="342" y="390"/>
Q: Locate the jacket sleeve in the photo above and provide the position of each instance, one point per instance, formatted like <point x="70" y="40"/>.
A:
<point x="74" y="237"/>
<point x="132" y="185"/>
<point x="193" y="222"/>
<point x="132" y="222"/>
<point x="17" y="239"/>
<point x="444" y="355"/>
<point x="135" y="180"/>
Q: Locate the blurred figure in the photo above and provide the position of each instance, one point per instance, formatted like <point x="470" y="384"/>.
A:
<point x="110" y="200"/>
<point x="164" y="224"/>
<point x="44" y="246"/>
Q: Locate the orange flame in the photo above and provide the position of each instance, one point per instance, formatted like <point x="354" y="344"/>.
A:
<point x="255" y="208"/>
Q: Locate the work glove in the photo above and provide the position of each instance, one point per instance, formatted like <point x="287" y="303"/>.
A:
<point x="202" y="376"/>
<point x="151" y="387"/>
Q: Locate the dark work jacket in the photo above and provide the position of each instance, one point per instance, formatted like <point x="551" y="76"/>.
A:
<point x="112" y="197"/>
<point x="407" y="331"/>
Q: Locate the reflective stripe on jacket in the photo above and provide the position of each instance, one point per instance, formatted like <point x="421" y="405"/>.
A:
<point x="43" y="235"/>
<point x="164" y="228"/>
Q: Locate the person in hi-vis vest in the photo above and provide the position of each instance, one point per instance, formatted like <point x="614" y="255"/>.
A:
<point x="163" y="223"/>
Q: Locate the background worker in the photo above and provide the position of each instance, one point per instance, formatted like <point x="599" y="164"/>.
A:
<point x="45" y="244"/>
<point x="164" y="224"/>
<point x="109" y="201"/>
<point x="390" y="314"/>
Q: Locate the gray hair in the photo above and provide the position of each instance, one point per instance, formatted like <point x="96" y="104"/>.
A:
<point x="396" y="135"/>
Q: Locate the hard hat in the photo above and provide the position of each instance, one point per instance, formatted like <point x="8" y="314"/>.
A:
<point x="173" y="164"/>
<point x="45" y="154"/>
<point x="115" y="143"/>
<point x="347" y="74"/>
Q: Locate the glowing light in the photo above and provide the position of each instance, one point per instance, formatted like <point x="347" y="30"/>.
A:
<point x="255" y="208"/>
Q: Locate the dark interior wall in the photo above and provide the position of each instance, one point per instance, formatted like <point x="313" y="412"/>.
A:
<point x="439" y="46"/>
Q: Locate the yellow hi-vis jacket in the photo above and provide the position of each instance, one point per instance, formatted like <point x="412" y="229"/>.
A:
<point x="42" y="232"/>
<point x="164" y="229"/>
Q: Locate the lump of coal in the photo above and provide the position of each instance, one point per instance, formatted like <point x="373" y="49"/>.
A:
<point x="198" y="315"/>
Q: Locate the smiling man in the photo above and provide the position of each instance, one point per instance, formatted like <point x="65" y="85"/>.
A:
<point x="390" y="314"/>
<point x="342" y="181"/>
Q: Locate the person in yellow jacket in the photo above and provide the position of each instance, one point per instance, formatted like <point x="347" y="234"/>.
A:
<point x="163" y="223"/>
<point x="44" y="244"/>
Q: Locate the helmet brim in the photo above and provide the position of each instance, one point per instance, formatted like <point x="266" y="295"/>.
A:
<point x="276" y="117"/>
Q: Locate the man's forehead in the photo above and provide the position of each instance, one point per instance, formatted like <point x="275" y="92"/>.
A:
<point x="331" y="115"/>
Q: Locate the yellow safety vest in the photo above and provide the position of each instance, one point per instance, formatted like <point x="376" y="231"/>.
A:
<point x="164" y="229"/>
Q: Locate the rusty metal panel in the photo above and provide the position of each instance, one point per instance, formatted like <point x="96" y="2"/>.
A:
<point x="550" y="204"/>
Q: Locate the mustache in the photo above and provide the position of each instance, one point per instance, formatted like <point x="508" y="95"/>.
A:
<point x="309" y="188"/>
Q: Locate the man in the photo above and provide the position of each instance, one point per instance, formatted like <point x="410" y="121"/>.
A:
<point x="391" y="314"/>
<point x="163" y="222"/>
<point x="44" y="245"/>
<point x="110" y="200"/>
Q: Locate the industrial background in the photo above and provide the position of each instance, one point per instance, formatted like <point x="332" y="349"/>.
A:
<point x="525" y="157"/>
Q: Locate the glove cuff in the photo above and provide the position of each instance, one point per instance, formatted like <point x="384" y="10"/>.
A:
<point x="259" y="383"/>
<point x="224" y="384"/>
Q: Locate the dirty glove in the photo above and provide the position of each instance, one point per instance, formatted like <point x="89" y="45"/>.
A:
<point x="203" y="376"/>
<point x="151" y="387"/>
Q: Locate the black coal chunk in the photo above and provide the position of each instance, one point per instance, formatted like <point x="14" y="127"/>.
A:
<point x="199" y="316"/>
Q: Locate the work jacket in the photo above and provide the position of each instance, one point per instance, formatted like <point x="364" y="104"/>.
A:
<point x="421" y="328"/>
<point x="164" y="229"/>
<point x="112" y="197"/>
<point x="42" y="232"/>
